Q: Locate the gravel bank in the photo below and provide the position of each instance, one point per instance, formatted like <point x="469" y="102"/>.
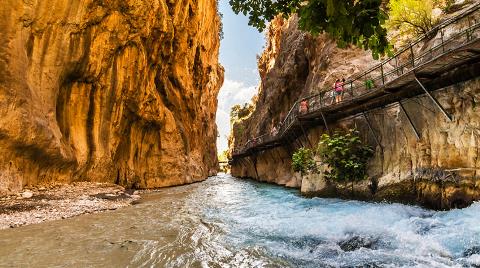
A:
<point x="41" y="204"/>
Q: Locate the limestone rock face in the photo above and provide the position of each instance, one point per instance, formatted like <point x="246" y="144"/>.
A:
<point x="294" y="64"/>
<point x="110" y="90"/>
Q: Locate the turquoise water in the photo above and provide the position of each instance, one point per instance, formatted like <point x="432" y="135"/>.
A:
<point x="228" y="222"/>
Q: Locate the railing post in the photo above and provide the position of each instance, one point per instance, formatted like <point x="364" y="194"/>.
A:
<point x="383" y="77"/>
<point x="441" y="35"/>
<point x="469" y="33"/>
<point x="396" y="65"/>
<point x="363" y="80"/>
<point x="413" y="56"/>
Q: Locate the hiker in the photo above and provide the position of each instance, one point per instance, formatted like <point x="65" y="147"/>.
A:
<point x="274" y="131"/>
<point x="303" y="106"/>
<point x="338" y="90"/>
<point x="369" y="83"/>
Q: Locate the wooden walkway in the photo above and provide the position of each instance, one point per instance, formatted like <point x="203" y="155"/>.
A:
<point x="447" y="55"/>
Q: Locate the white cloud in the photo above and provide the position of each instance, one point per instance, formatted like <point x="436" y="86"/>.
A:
<point x="231" y="93"/>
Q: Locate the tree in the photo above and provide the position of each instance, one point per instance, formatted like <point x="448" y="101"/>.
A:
<point x="303" y="161"/>
<point x="410" y="18"/>
<point x="347" y="21"/>
<point x="238" y="112"/>
<point x="223" y="156"/>
<point x="346" y="155"/>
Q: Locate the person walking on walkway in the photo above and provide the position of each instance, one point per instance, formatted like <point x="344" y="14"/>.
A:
<point x="303" y="106"/>
<point x="369" y="83"/>
<point x="274" y="131"/>
<point x="338" y="90"/>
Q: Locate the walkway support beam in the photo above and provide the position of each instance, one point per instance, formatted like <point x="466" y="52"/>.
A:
<point x="439" y="106"/>
<point x="322" y="100"/>
<point x="417" y="134"/>
<point x="373" y="131"/>
<point x="305" y="133"/>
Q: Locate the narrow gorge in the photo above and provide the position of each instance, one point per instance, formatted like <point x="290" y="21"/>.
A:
<point x="354" y="141"/>
<point x="108" y="91"/>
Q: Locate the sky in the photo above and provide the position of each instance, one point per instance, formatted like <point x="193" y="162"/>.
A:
<point x="238" y="51"/>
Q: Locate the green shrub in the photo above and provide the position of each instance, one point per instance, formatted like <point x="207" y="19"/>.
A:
<point x="239" y="113"/>
<point x="369" y="84"/>
<point x="302" y="161"/>
<point x="346" y="155"/>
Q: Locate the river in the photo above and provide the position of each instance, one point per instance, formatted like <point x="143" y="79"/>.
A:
<point x="228" y="222"/>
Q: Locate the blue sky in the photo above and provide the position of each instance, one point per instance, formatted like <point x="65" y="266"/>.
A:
<point x="238" y="51"/>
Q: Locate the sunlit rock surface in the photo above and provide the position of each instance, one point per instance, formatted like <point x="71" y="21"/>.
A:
<point x="111" y="91"/>
<point x="440" y="170"/>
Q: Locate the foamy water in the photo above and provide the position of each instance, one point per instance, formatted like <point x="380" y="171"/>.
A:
<point x="227" y="222"/>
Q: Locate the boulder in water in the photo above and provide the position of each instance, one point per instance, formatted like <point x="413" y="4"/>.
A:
<point x="357" y="242"/>
<point x="471" y="251"/>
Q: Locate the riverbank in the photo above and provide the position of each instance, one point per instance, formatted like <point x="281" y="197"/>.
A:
<point x="55" y="202"/>
<point x="230" y="222"/>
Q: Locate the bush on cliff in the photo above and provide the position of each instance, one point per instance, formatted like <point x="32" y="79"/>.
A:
<point x="302" y="161"/>
<point x="239" y="113"/>
<point x="346" y="155"/>
<point x="411" y="18"/>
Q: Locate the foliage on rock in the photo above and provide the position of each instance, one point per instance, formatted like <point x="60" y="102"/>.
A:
<point x="411" y="18"/>
<point x="240" y="112"/>
<point x="223" y="156"/>
<point x="346" y="155"/>
<point x="302" y="161"/>
<point x="349" y="22"/>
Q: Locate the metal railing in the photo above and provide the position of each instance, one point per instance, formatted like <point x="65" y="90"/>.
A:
<point x="405" y="61"/>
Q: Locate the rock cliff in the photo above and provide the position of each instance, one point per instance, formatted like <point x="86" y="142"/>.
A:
<point x="441" y="170"/>
<point x="110" y="91"/>
<point x="294" y="64"/>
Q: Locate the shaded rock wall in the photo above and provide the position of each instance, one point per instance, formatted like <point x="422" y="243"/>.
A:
<point x="294" y="64"/>
<point x="113" y="91"/>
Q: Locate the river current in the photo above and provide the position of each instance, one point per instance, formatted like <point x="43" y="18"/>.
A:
<point x="228" y="222"/>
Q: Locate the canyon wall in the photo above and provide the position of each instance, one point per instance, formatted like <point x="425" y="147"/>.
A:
<point x="440" y="170"/>
<point x="108" y="91"/>
<point x="293" y="65"/>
